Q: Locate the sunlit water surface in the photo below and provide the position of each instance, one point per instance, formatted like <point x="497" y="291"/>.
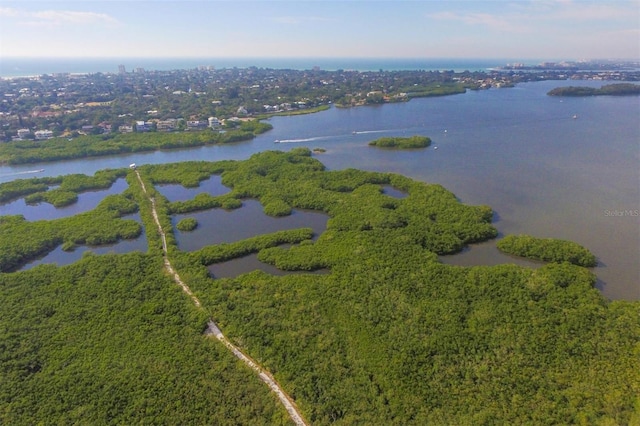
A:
<point x="518" y="150"/>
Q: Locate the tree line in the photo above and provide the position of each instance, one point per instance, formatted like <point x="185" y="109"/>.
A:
<point x="20" y="152"/>
<point x="617" y="89"/>
<point x="411" y="142"/>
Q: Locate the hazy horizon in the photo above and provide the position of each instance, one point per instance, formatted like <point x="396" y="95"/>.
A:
<point x="28" y="66"/>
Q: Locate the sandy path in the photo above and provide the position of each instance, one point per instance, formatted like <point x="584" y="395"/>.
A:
<point x="214" y="330"/>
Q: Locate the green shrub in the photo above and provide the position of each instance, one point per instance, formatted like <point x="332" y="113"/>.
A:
<point x="547" y="250"/>
<point x="402" y="143"/>
<point x="187" y="224"/>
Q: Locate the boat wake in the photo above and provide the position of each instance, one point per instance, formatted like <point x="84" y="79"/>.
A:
<point x="364" y="132"/>
<point x="317" y="138"/>
<point x="28" y="172"/>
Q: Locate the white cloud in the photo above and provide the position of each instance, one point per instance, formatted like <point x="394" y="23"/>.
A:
<point x="56" y="18"/>
<point x="9" y="12"/>
<point x="572" y="11"/>
<point x="533" y="16"/>
<point x="67" y="16"/>
<point x="566" y="28"/>
<point x="509" y="23"/>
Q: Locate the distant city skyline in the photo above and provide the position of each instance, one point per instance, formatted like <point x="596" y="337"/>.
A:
<point x="561" y="29"/>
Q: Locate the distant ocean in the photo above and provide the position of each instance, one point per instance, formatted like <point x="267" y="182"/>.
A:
<point x="15" y="67"/>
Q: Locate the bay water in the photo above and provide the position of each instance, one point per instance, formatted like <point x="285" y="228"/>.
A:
<point x="551" y="167"/>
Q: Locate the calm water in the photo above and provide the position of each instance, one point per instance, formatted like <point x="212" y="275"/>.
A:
<point x="486" y="254"/>
<point x="212" y="186"/>
<point x="44" y="211"/>
<point x="61" y="257"/>
<point x="235" y="267"/>
<point x="217" y="226"/>
<point x="517" y="150"/>
<point x="86" y="201"/>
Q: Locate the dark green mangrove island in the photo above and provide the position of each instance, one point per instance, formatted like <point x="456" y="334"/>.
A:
<point x="411" y="142"/>
<point x="617" y="89"/>
<point x="187" y="224"/>
<point x="547" y="250"/>
<point x="389" y="335"/>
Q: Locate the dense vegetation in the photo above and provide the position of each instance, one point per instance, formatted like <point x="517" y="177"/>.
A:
<point x="293" y="112"/>
<point x="99" y="145"/>
<point x="93" y="103"/>
<point x="18" y="188"/>
<point x="547" y="249"/>
<point x="618" y="89"/>
<point x="68" y="187"/>
<point x="112" y="340"/>
<point x="435" y="89"/>
<point x="389" y="336"/>
<point x="187" y="224"/>
<point x="102" y="102"/>
<point x="227" y="251"/>
<point x="23" y="240"/>
<point x="411" y="142"/>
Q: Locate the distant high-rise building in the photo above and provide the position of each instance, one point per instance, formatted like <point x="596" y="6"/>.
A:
<point x="139" y="70"/>
<point x="121" y="69"/>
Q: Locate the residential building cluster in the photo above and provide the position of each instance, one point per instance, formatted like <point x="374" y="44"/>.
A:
<point x="66" y="104"/>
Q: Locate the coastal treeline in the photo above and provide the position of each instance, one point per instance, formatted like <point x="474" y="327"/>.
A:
<point x="20" y="152"/>
<point x="437" y="89"/>
<point x="99" y="103"/>
<point x="617" y="89"/>
<point x="388" y="336"/>
<point x="95" y="103"/>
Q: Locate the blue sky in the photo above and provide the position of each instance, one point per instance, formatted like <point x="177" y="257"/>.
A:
<point x="561" y="29"/>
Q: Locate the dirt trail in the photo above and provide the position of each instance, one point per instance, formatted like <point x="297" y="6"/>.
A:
<point x="214" y="330"/>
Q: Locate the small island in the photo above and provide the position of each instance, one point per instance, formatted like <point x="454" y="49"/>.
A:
<point x="412" y="142"/>
<point x="547" y="250"/>
<point x="187" y="224"/>
<point x="618" y="89"/>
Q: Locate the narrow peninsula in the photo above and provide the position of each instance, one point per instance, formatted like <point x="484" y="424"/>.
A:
<point x="547" y="249"/>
